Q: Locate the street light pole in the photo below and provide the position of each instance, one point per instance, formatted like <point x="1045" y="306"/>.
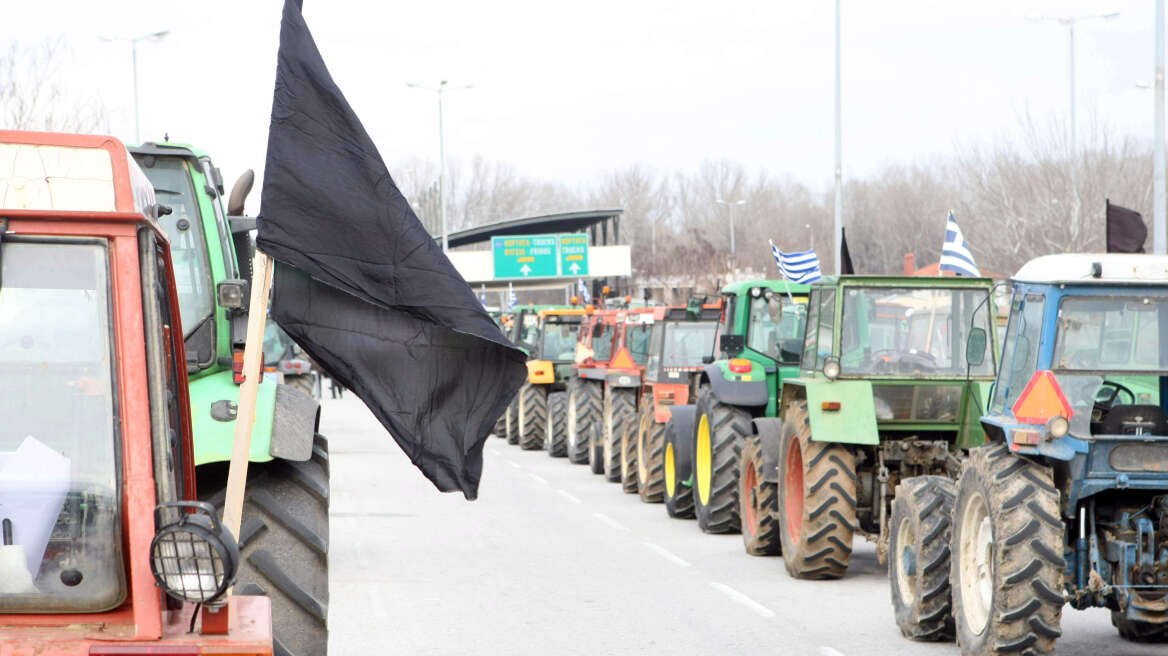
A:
<point x="730" y="209"/>
<point x="153" y="36"/>
<point x="1159" y="231"/>
<point x="839" y="157"/>
<point x="440" y="89"/>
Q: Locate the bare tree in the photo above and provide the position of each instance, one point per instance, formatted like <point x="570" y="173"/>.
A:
<point x="32" y="95"/>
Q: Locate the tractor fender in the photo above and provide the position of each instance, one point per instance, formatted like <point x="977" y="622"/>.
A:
<point x="294" y="424"/>
<point x="854" y="422"/>
<point x="214" y="407"/>
<point x="735" y="392"/>
<point x="770" y="434"/>
<point x="623" y="380"/>
<point x="590" y="373"/>
<point x="682" y="426"/>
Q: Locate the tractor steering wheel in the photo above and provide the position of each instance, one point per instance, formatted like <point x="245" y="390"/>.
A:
<point x="1104" y="404"/>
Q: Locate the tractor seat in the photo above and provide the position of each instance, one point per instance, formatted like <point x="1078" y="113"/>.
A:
<point x="1134" y="420"/>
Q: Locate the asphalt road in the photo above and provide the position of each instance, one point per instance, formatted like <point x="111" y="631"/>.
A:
<point x="553" y="560"/>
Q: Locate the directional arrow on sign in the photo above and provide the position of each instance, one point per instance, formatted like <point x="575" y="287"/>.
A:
<point x="525" y="269"/>
<point x="575" y="268"/>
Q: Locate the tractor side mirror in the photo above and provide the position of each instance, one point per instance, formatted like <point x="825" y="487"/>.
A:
<point x="732" y="345"/>
<point x="975" y="347"/>
<point x="239" y="192"/>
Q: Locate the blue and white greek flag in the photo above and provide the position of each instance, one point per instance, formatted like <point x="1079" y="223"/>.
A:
<point x="512" y="301"/>
<point x="483" y="295"/>
<point x="955" y="255"/>
<point x="799" y="268"/>
<point x="585" y="295"/>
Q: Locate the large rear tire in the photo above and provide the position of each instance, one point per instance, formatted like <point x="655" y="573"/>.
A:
<point x="918" y="565"/>
<point x="650" y="455"/>
<point x="583" y="411"/>
<point x="758" y="503"/>
<point x="1136" y="631"/>
<point x="1007" y="564"/>
<point x="501" y="426"/>
<point x="306" y="383"/>
<point x="721" y="430"/>
<point x="532" y="416"/>
<point x="284" y="541"/>
<point x="513" y="421"/>
<point x="817" y="501"/>
<point x="556" y="441"/>
<point x="620" y="411"/>
<point x="678" y="492"/>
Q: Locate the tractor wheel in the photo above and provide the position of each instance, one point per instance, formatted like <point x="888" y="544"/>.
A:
<point x="620" y="411"/>
<point x="556" y="440"/>
<point x="758" y="503"/>
<point x="583" y="411"/>
<point x="595" y="449"/>
<point x="721" y="430"/>
<point x="305" y="383"/>
<point x="650" y="457"/>
<point x="918" y="569"/>
<point x="284" y="542"/>
<point x="678" y="493"/>
<point x="628" y="457"/>
<point x="501" y="425"/>
<point x="1137" y="631"/>
<point x="532" y="416"/>
<point x="1007" y="560"/>
<point x="817" y="501"/>
<point x="513" y="421"/>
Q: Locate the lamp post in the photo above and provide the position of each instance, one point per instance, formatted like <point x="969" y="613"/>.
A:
<point x="153" y="36"/>
<point x="839" y="156"/>
<point x="730" y="209"/>
<point x="1069" y="22"/>
<point x="439" y="90"/>
<point x="811" y="234"/>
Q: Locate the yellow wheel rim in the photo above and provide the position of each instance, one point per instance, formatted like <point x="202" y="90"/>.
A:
<point x="702" y="467"/>
<point x="670" y="472"/>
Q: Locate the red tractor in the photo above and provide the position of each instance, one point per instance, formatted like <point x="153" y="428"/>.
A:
<point x="106" y="550"/>
<point x="612" y="349"/>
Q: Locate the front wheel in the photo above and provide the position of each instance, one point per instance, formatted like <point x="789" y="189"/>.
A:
<point x="513" y="421"/>
<point x="758" y="503"/>
<point x="1007" y="566"/>
<point x="918" y="569"/>
<point x="679" y="503"/>
<point x="721" y="429"/>
<point x="650" y="456"/>
<point x="532" y="416"/>
<point x="817" y="501"/>
<point x="556" y="441"/>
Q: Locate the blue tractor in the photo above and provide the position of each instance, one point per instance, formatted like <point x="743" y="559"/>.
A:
<point x="1067" y="503"/>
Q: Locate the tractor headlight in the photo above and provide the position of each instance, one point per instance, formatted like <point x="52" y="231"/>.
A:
<point x="194" y="558"/>
<point x="831" y="368"/>
<point x="1057" y="427"/>
<point x="233" y="294"/>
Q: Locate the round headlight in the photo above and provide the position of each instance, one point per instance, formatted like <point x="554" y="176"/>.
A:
<point x="831" y="369"/>
<point x="194" y="559"/>
<point x="1057" y="427"/>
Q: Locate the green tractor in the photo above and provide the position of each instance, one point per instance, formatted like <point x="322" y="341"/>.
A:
<point x="884" y="409"/>
<point x="761" y="337"/>
<point x="285" y="532"/>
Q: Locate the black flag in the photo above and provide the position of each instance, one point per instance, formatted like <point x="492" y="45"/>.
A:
<point x="1126" y="232"/>
<point x="846" y="267"/>
<point x="362" y="286"/>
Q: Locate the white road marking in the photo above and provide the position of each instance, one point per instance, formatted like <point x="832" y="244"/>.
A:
<point x="745" y="601"/>
<point x="667" y="554"/>
<point x="375" y="602"/>
<point x="828" y="651"/>
<point x="610" y="521"/>
<point x="569" y="496"/>
<point x="537" y="478"/>
<point x="512" y="463"/>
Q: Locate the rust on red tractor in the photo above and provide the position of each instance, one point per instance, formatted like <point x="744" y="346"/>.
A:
<point x="69" y="189"/>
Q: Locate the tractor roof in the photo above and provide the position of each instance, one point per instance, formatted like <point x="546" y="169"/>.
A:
<point x="1098" y="268"/>
<point x="168" y="149"/>
<point x="562" y="312"/>
<point x="60" y="174"/>
<point x="744" y="287"/>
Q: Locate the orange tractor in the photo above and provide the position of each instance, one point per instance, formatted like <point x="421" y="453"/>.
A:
<point x="106" y="550"/>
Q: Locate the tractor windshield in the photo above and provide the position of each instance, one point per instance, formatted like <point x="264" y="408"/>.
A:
<point x="912" y="331"/>
<point x="687" y="342"/>
<point x="188" y="246"/>
<point x="61" y="548"/>
<point x="776" y="327"/>
<point x="559" y="339"/>
<point x="637" y="338"/>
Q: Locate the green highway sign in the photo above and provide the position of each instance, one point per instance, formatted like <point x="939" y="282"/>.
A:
<point x="540" y="256"/>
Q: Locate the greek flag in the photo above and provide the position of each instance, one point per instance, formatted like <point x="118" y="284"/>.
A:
<point x="955" y="255"/>
<point x="585" y="295"/>
<point x="512" y="301"/>
<point x="483" y="295"/>
<point x="799" y="268"/>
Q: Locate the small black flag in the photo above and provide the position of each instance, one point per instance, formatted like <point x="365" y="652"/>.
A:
<point x="846" y="267"/>
<point x="363" y="288"/>
<point x="1126" y="232"/>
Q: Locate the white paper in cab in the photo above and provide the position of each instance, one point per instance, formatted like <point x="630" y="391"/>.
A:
<point x="34" y="480"/>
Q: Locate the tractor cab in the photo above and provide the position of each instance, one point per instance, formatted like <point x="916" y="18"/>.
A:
<point x="104" y="548"/>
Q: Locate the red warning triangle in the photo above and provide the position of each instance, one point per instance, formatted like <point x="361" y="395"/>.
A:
<point x="1041" y="400"/>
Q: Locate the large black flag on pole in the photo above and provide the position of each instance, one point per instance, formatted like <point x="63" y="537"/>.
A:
<point x="1126" y="232"/>
<point x="362" y="286"/>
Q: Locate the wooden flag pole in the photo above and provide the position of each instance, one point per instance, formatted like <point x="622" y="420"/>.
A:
<point x="261" y="283"/>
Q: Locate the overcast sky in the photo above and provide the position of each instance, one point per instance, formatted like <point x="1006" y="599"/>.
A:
<point x="567" y="90"/>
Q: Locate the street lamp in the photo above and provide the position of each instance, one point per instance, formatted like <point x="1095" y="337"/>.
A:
<point x="1069" y="22"/>
<point x="811" y="233"/>
<point x="730" y="209"/>
<point x="440" y="89"/>
<point x="153" y="36"/>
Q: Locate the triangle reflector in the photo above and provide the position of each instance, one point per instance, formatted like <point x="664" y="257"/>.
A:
<point x="1041" y="400"/>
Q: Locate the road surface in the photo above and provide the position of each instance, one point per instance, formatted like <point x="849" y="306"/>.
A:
<point x="553" y="560"/>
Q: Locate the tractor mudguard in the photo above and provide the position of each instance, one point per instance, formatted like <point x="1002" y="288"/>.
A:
<point x="854" y="422"/>
<point x="294" y="424"/>
<point x="683" y="418"/>
<point x="591" y="373"/>
<point x="623" y="380"/>
<point x="743" y="393"/>
<point x="770" y="433"/>
<point x="214" y="400"/>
